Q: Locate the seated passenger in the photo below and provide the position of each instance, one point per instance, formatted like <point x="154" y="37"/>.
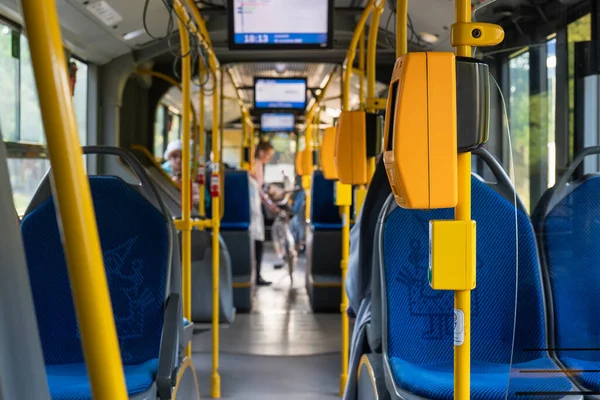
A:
<point x="353" y="268"/>
<point x="172" y="166"/>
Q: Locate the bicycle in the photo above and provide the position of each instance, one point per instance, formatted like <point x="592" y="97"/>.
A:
<point x="283" y="240"/>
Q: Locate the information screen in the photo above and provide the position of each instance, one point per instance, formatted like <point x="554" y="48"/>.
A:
<point x="277" y="122"/>
<point x="272" y="93"/>
<point x="280" y="23"/>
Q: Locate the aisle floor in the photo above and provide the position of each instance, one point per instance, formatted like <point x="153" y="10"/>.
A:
<point x="281" y="350"/>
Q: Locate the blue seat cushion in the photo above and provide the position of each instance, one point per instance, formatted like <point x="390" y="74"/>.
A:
<point x="589" y="379"/>
<point x="327" y="226"/>
<point x="70" y="381"/>
<point x="235" y="226"/>
<point x="489" y="381"/>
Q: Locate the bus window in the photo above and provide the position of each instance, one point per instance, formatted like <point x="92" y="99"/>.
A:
<point x="80" y="100"/>
<point x="283" y="161"/>
<point x="25" y="175"/>
<point x="8" y="79"/>
<point x="519" y="122"/>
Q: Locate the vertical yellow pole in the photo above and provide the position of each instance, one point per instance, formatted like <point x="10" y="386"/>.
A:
<point x="186" y="232"/>
<point x="361" y="67"/>
<point x="348" y="62"/>
<point x="371" y="70"/>
<point x="215" y="384"/>
<point x="402" y="27"/>
<point x="202" y="139"/>
<point x="74" y="204"/>
<point x="462" y="298"/>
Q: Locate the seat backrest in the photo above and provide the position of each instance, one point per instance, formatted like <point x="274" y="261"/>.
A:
<point x="136" y="241"/>
<point x="377" y="194"/>
<point x="419" y="320"/>
<point x="324" y="214"/>
<point x="237" y="201"/>
<point x="567" y="221"/>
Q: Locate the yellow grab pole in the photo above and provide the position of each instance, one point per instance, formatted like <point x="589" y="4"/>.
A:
<point x="186" y="232"/>
<point x="351" y="54"/>
<point x="345" y="210"/>
<point x="306" y="180"/>
<point x="361" y="66"/>
<point x="462" y="298"/>
<point x="215" y="384"/>
<point x="213" y="65"/>
<point x="371" y="69"/>
<point x="402" y="27"/>
<point x="201" y="139"/>
<point x="74" y="204"/>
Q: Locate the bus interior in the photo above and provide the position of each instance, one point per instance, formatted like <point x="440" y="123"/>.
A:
<point x="357" y="174"/>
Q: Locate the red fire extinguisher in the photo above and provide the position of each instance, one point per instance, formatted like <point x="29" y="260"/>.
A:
<point x="201" y="174"/>
<point x="215" y="184"/>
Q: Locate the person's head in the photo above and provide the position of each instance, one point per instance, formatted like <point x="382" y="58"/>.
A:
<point x="72" y="76"/>
<point x="264" y="152"/>
<point x="173" y="155"/>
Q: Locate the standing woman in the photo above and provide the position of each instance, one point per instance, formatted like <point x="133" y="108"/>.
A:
<point x="263" y="153"/>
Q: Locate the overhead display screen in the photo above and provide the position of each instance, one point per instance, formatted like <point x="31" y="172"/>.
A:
<point x="255" y="24"/>
<point x="270" y="93"/>
<point x="277" y="122"/>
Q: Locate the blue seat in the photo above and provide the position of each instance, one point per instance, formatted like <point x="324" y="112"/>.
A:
<point x="567" y="221"/>
<point x="323" y="246"/>
<point x="70" y="381"/>
<point x="418" y="340"/>
<point x="235" y="231"/>
<point x="135" y="239"/>
<point x="236" y="213"/>
<point x="324" y="214"/>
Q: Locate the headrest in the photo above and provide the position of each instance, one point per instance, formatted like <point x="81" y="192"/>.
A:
<point x="351" y="148"/>
<point x="327" y="156"/>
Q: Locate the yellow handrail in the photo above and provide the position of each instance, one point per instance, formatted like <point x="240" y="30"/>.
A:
<point x="186" y="232"/>
<point x="74" y="204"/>
<point x="351" y="53"/>
<point x="306" y="180"/>
<point x="202" y="136"/>
<point x="371" y="69"/>
<point x="215" y="379"/>
<point x="345" y="209"/>
<point x="462" y="298"/>
<point x="201" y="33"/>
<point x="173" y="82"/>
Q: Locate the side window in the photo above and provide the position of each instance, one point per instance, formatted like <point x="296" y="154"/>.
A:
<point x="80" y="100"/>
<point x="519" y="122"/>
<point x="32" y="129"/>
<point x="21" y="118"/>
<point x="159" y="131"/>
<point x="8" y="85"/>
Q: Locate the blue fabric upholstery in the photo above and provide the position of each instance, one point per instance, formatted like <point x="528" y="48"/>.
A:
<point x="570" y="234"/>
<point x="70" y="381"/>
<point x="134" y="240"/>
<point x="420" y="320"/>
<point x="236" y="215"/>
<point x="324" y="214"/>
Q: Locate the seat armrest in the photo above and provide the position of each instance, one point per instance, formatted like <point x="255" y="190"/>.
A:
<point x="169" y="343"/>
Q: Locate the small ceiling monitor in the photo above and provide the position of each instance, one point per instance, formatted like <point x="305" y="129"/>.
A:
<point x="280" y="24"/>
<point x="280" y="93"/>
<point x="278" y="122"/>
